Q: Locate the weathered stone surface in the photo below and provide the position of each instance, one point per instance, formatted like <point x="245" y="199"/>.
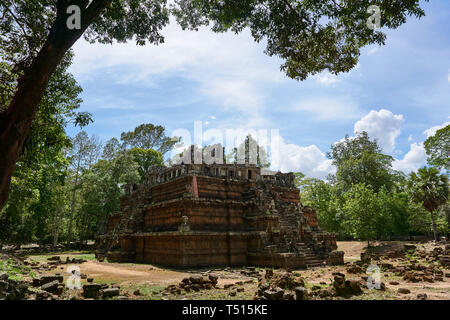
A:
<point x="50" y="278"/>
<point x="286" y="280"/>
<point x="220" y="214"/>
<point x="110" y="292"/>
<point x="422" y="296"/>
<point x="345" y="287"/>
<point x="275" y="294"/>
<point x="91" y="290"/>
<point x="213" y="278"/>
<point x="13" y="290"/>
<point x="51" y="286"/>
<point x="301" y="293"/>
<point x="403" y="291"/>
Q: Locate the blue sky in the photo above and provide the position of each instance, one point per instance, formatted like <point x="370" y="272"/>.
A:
<point x="399" y="93"/>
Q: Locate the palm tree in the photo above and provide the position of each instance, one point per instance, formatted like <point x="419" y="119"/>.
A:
<point x="430" y="189"/>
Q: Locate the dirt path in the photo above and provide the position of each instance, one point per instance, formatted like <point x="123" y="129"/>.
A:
<point x="118" y="273"/>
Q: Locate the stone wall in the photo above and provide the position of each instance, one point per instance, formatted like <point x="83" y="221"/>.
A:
<point x="191" y="215"/>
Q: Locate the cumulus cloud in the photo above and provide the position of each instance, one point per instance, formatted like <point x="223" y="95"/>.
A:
<point x="413" y="160"/>
<point x="309" y="160"/>
<point x="432" y="131"/>
<point x="382" y="125"/>
<point x="326" y="78"/>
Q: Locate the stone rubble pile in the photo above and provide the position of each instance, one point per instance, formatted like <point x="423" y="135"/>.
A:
<point x="193" y="283"/>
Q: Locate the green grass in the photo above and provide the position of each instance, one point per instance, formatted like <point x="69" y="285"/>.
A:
<point x="78" y="255"/>
<point x="14" y="272"/>
<point x="148" y="291"/>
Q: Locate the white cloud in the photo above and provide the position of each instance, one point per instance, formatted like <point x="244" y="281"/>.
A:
<point x="326" y="78"/>
<point x="382" y="125"/>
<point x="448" y="77"/>
<point x="413" y="160"/>
<point x="373" y="51"/>
<point x="309" y="160"/>
<point x="230" y="70"/>
<point x="432" y="131"/>
<point x="325" y="109"/>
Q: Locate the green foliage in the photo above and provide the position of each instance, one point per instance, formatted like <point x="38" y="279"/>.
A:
<point x="367" y="200"/>
<point x="52" y="192"/>
<point x="146" y="158"/>
<point x="322" y="196"/>
<point x="429" y="188"/>
<point x="360" y="160"/>
<point x="309" y="36"/>
<point x="37" y="198"/>
<point x="149" y="136"/>
<point x="438" y="148"/>
<point x="362" y="208"/>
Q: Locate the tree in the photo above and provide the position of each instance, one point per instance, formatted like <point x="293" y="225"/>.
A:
<point x="438" y="148"/>
<point x="362" y="209"/>
<point x="430" y="189"/>
<point x="101" y="191"/>
<point x="360" y="160"/>
<point x="42" y="166"/>
<point x="111" y="149"/>
<point x="84" y="153"/>
<point x="310" y="36"/>
<point x="149" y="136"/>
<point x="146" y="158"/>
<point x="323" y="197"/>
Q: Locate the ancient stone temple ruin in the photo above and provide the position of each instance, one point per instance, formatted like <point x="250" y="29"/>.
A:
<point x="193" y="215"/>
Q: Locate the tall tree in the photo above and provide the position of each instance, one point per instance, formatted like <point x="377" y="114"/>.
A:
<point x="42" y="165"/>
<point x="149" y="136"/>
<point x="438" y="148"/>
<point x="360" y="160"/>
<point x="83" y="155"/>
<point x="146" y="158"/>
<point x="310" y="36"/>
<point x="430" y="189"/>
<point x="362" y="209"/>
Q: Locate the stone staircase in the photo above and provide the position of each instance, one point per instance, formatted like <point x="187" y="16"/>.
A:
<point x="312" y="260"/>
<point x="289" y="224"/>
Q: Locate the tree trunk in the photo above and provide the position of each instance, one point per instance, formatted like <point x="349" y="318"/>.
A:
<point x="72" y="207"/>
<point x="57" y="226"/>
<point x="16" y="121"/>
<point x="433" y="220"/>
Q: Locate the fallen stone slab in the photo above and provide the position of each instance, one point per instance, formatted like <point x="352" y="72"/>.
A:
<point x="92" y="290"/>
<point x="403" y="291"/>
<point x="51" y="287"/>
<point x="110" y="292"/>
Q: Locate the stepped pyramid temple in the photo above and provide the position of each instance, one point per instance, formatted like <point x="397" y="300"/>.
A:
<point x="196" y="215"/>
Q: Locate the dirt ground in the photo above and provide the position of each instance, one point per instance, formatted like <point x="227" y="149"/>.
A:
<point x="151" y="280"/>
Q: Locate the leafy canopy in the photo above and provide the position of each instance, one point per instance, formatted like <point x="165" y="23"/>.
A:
<point x="309" y="35"/>
<point x="149" y="136"/>
<point x="360" y="160"/>
<point x="438" y="148"/>
<point x="429" y="188"/>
